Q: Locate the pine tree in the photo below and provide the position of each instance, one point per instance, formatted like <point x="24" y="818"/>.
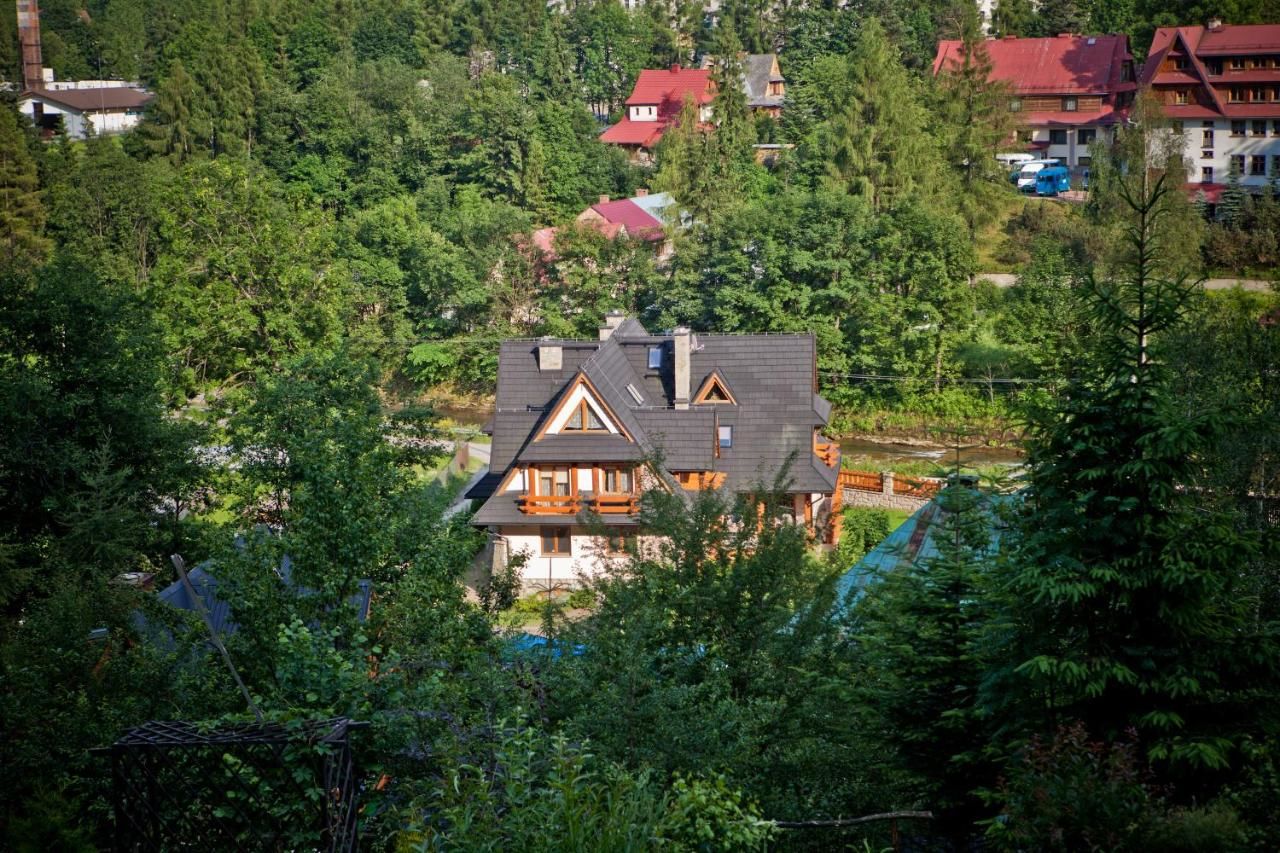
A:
<point x="872" y="145"/>
<point x="1124" y="604"/>
<point x="1231" y="209"/>
<point x="22" y="212"/>
<point x="978" y="120"/>
<point x="177" y="124"/>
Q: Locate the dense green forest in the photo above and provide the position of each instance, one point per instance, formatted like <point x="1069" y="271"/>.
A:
<point x="210" y="326"/>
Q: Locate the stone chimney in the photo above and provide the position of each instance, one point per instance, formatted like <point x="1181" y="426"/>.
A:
<point x="641" y="193"/>
<point x="604" y="199"/>
<point x="1215" y="24"/>
<point x="612" y="321"/>
<point x="683" y="338"/>
<point x="550" y="357"/>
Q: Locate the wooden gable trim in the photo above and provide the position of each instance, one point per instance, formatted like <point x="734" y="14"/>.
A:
<point x="581" y="379"/>
<point x="715" y="380"/>
<point x="1201" y="72"/>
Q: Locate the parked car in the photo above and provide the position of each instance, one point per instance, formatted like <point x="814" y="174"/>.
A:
<point x="1027" y="174"/>
<point x="1014" y="161"/>
<point x="1052" y="180"/>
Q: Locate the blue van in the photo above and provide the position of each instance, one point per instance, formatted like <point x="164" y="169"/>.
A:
<point x="1053" y="180"/>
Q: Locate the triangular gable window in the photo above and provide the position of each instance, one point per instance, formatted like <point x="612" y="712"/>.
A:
<point x="584" y="419"/>
<point x="714" y="390"/>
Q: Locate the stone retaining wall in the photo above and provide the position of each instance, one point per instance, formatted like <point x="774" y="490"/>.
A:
<point x="886" y="498"/>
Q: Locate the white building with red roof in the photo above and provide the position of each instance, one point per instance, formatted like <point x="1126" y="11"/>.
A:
<point x="655" y="105"/>
<point x="1220" y="86"/>
<point x="1066" y="91"/>
<point x="643" y="217"/>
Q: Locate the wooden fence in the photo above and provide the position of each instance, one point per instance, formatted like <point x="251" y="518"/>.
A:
<point x="874" y="481"/>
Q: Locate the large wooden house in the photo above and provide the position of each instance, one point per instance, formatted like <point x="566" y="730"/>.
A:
<point x="583" y="428"/>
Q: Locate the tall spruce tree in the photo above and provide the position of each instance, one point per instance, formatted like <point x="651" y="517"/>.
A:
<point x="1124" y="606"/>
<point x="22" y="212"/>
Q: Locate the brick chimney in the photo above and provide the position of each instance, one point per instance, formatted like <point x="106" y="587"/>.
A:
<point x="612" y="320"/>
<point x="1215" y="24"/>
<point x="642" y="192"/>
<point x="604" y="199"/>
<point x="29" y="40"/>
<point x="675" y="68"/>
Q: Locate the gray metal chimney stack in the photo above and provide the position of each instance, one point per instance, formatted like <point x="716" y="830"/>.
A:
<point x="683" y="338"/>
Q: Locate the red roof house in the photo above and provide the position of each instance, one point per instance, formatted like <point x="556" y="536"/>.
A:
<point x="1063" y="89"/>
<point x="655" y="105"/>
<point x="1220" y="85"/>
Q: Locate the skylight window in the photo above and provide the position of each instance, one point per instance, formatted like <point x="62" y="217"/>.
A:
<point x="655" y="358"/>
<point x="635" y="395"/>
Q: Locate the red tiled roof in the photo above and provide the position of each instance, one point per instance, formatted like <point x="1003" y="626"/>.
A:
<point x="662" y="86"/>
<point x="1237" y="38"/>
<point x="1212" y="192"/>
<point x="1108" y="115"/>
<point x="638" y="221"/>
<point x="628" y="132"/>
<point x="1064" y="65"/>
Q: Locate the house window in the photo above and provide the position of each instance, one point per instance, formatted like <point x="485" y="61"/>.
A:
<point x="655" y="358"/>
<point x="1085" y="136"/>
<point x="1057" y="137"/>
<point x="1257" y="165"/>
<point x="725" y="434"/>
<point x="554" y="482"/>
<point x="1275" y="93"/>
<point x="1275" y="128"/>
<point x="1237" y="127"/>
<point x="1070" y="105"/>
<point x="616" y="542"/>
<point x="1259" y="128"/>
<point x="1237" y="164"/>
<point x="1237" y="63"/>
<point x="584" y="419"/>
<point x="1206" y="139"/>
<point x="617" y="481"/>
<point x="555" y="542"/>
<point x="1176" y="126"/>
<point x="1236" y="94"/>
<point x="1181" y="63"/>
<point x="1015" y="105"/>
<point x="1206" y="174"/>
<point x="1214" y="67"/>
<point x="1275" y="165"/>
<point x="1257" y="93"/>
<point x="1181" y="96"/>
<point x="1083" y="161"/>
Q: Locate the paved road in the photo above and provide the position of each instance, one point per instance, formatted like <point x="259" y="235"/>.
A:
<point x="1004" y="279"/>
<point x="481" y="452"/>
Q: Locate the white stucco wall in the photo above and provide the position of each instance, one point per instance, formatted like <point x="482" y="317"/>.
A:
<point x="1225" y="145"/>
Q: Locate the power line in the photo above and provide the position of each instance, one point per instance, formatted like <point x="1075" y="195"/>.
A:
<point x="945" y="380"/>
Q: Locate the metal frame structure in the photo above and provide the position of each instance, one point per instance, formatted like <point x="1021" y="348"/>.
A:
<point x="247" y="786"/>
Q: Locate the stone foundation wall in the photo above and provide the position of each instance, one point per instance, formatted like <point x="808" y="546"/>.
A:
<point x="878" y="500"/>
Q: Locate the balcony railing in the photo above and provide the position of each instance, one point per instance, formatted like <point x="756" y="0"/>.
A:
<point x="616" y="504"/>
<point x="550" y="504"/>
<point x="827" y="451"/>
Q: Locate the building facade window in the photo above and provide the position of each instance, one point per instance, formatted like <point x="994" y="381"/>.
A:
<point x="1275" y="165"/>
<point x="1257" y="93"/>
<point x="1257" y="165"/>
<point x="1214" y="67"/>
<point x="1176" y="126"/>
<point x="1181" y="63"/>
<point x="1057" y="137"/>
<point x="1206" y="174"/>
<point x="1237" y="63"/>
<point x="1275" y="127"/>
<point x="1237" y="164"/>
<point x="1237" y="127"/>
<point x="1206" y="139"/>
<point x="1258" y="128"/>
<point x="555" y="542"/>
<point x="1070" y="104"/>
<point x="616" y="481"/>
<point x="617" y="542"/>
<point x="1015" y="105"/>
<point x="584" y="419"/>
<point x="1085" y="136"/>
<point x="725" y="436"/>
<point x="554" y="482"/>
<point x="1181" y="96"/>
<point x="655" y="358"/>
<point x="1236" y="94"/>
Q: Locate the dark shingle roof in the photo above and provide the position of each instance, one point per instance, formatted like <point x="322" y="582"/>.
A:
<point x="757" y="73"/>
<point x="771" y="377"/>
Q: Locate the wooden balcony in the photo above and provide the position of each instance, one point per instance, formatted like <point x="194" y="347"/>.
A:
<point x="827" y="451"/>
<point x="550" y="504"/>
<point x="616" y="504"/>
